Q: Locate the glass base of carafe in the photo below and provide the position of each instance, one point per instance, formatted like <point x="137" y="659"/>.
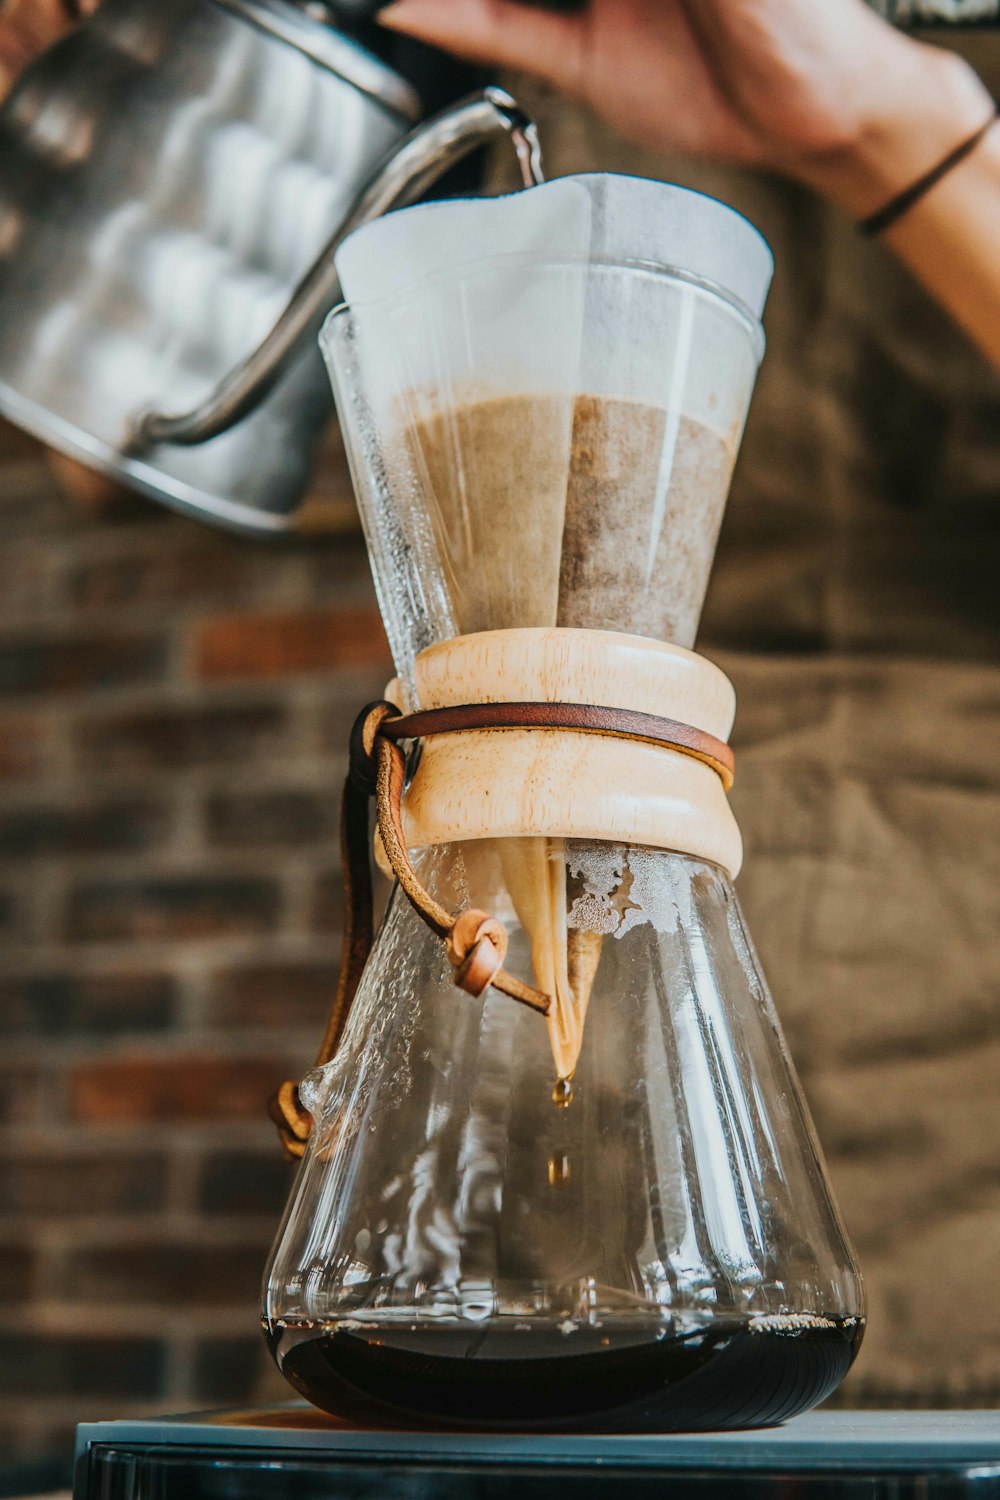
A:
<point x="615" y="1375"/>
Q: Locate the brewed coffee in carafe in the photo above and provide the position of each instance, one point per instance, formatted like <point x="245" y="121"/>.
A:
<point x="614" y="1216"/>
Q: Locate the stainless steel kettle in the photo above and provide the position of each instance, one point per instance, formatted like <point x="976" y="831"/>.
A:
<point x="174" y="179"/>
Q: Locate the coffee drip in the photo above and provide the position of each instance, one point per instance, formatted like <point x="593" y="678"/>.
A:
<point x="623" y="1221"/>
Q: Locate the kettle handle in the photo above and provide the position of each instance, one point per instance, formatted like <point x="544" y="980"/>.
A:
<point x="425" y="154"/>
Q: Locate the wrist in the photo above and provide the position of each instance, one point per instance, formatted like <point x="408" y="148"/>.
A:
<point x="924" y="110"/>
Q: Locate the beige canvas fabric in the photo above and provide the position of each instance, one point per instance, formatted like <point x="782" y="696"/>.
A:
<point x="855" y="605"/>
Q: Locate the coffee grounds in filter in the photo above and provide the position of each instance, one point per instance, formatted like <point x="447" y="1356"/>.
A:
<point x="586" y="511"/>
<point x="644" y="504"/>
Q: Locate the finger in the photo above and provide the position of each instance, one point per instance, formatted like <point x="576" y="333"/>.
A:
<point x="494" y="31"/>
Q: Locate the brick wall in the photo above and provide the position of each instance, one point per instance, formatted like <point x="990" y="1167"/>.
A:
<point x="174" y="705"/>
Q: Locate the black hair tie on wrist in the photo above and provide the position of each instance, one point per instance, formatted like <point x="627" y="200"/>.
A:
<point x="898" y="206"/>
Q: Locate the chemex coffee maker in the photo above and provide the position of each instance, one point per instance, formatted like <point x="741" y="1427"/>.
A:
<point x="557" y="1171"/>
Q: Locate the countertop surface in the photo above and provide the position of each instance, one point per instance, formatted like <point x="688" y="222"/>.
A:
<point x="899" y="1439"/>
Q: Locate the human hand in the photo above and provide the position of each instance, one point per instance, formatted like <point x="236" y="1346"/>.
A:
<point x="826" y="93"/>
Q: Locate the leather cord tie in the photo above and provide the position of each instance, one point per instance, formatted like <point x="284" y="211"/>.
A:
<point x="475" y="942"/>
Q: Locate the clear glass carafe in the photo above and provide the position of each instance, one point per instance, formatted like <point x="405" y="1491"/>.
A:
<point x="620" y="1220"/>
<point x="659" y="1252"/>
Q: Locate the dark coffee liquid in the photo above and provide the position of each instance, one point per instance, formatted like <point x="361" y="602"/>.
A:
<point x="608" y="1377"/>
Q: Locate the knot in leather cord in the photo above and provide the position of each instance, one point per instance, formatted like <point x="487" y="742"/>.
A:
<point x="477" y="946"/>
